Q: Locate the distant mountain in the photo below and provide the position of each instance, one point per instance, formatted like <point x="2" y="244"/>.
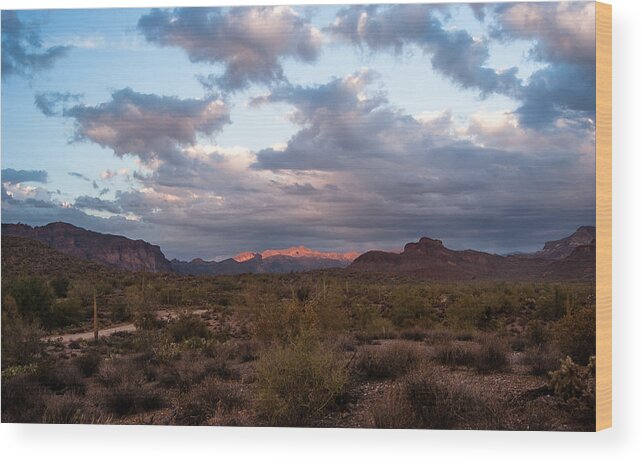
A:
<point x="571" y="258"/>
<point x="295" y="259"/>
<point x="110" y="250"/>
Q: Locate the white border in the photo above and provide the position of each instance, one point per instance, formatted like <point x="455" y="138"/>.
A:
<point x="53" y="443"/>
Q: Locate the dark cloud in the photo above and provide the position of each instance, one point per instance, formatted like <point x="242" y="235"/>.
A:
<point x="249" y="42"/>
<point x="149" y="126"/>
<point x="454" y="52"/>
<point x="104" y="191"/>
<point x="79" y="175"/>
<point x="96" y="204"/>
<point x="556" y="91"/>
<point x="16" y="176"/>
<point x="479" y="10"/>
<point x="48" y="102"/>
<point x="22" y="50"/>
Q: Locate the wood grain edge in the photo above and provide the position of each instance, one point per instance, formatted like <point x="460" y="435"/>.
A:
<point x="603" y="216"/>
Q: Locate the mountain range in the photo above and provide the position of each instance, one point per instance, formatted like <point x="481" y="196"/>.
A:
<point x="572" y="257"/>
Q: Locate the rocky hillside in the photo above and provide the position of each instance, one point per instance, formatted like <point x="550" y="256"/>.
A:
<point x="22" y="256"/>
<point x="559" y="249"/>
<point x="111" y="250"/>
<point x="571" y="258"/>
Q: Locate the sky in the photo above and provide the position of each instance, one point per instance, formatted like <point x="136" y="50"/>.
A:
<point x="212" y="131"/>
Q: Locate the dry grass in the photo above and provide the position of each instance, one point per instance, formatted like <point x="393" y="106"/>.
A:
<point x="390" y="360"/>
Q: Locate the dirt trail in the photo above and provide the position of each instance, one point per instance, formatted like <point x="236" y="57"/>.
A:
<point x="126" y="328"/>
<point x="88" y="335"/>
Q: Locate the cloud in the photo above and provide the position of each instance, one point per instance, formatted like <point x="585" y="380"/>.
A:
<point x="342" y="126"/>
<point x="249" y="42"/>
<point x="47" y="102"/>
<point x="454" y="52"/>
<point x="97" y="204"/>
<point x="79" y="175"/>
<point x="563" y="32"/>
<point x="22" y="50"/>
<point x="564" y="39"/>
<point x="17" y="176"/>
<point x="149" y="126"/>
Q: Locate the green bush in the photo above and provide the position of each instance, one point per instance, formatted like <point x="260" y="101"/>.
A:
<point x="21" y="338"/>
<point x="60" y="285"/>
<point x="33" y="296"/>
<point x="187" y="326"/>
<point x="298" y="382"/>
<point x="572" y="381"/>
<point x="575" y="334"/>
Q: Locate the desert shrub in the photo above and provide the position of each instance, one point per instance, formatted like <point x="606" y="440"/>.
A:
<point x="190" y="370"/>
<point x="518" y="344"/>
<point x="453" y="354"/>
<point x="413" y="334"/>
<point x="32" y="295"/>
<point x="369" y="324"/>
<point x="66" y="409"/>
<point x="393" y="411"/>
<point x="407" y="306"/>
<point x="575" y="334"/>
<point x="464" y="336"/>
<point x="491" y="355"/>
<point x="187" y="326"/>
<point x="60" y="286"/>
<point x="278" y="322"/>
<point x="21" y="338"/>
<point x="537" y="333"/>
<point x="298" y="382"/>
<point x="554" y="307"/>
<point x="247" y="351"/>
<point x="541" y="360"/>
<point x="130" y="397"/>
<point x="22" y="399"/>
<point x="60" y="376"/>
<point x="64" y="312"/>
<point x="119" y="310"/>
<point x="207" y="399"/>
<point x="345" y="343"/>
<point x="388" y="361"/>
<point x="439" y="403"/>
<point x="439" y="336"/>
<point x="115" y="372"/>
<point x="572" y="381"/>
<point x="88" y="363"/>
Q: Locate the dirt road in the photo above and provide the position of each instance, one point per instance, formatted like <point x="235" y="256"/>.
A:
<point x="129" y="327"/>
<point x="88" y="335"/>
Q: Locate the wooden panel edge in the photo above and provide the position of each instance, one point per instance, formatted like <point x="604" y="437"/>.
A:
<point x="603" y="216"/>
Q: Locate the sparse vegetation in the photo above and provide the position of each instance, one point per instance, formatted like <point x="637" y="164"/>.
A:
<point x="323" y="348"/>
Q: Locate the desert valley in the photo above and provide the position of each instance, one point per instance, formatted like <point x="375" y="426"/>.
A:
<point x="428" y="337"/>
